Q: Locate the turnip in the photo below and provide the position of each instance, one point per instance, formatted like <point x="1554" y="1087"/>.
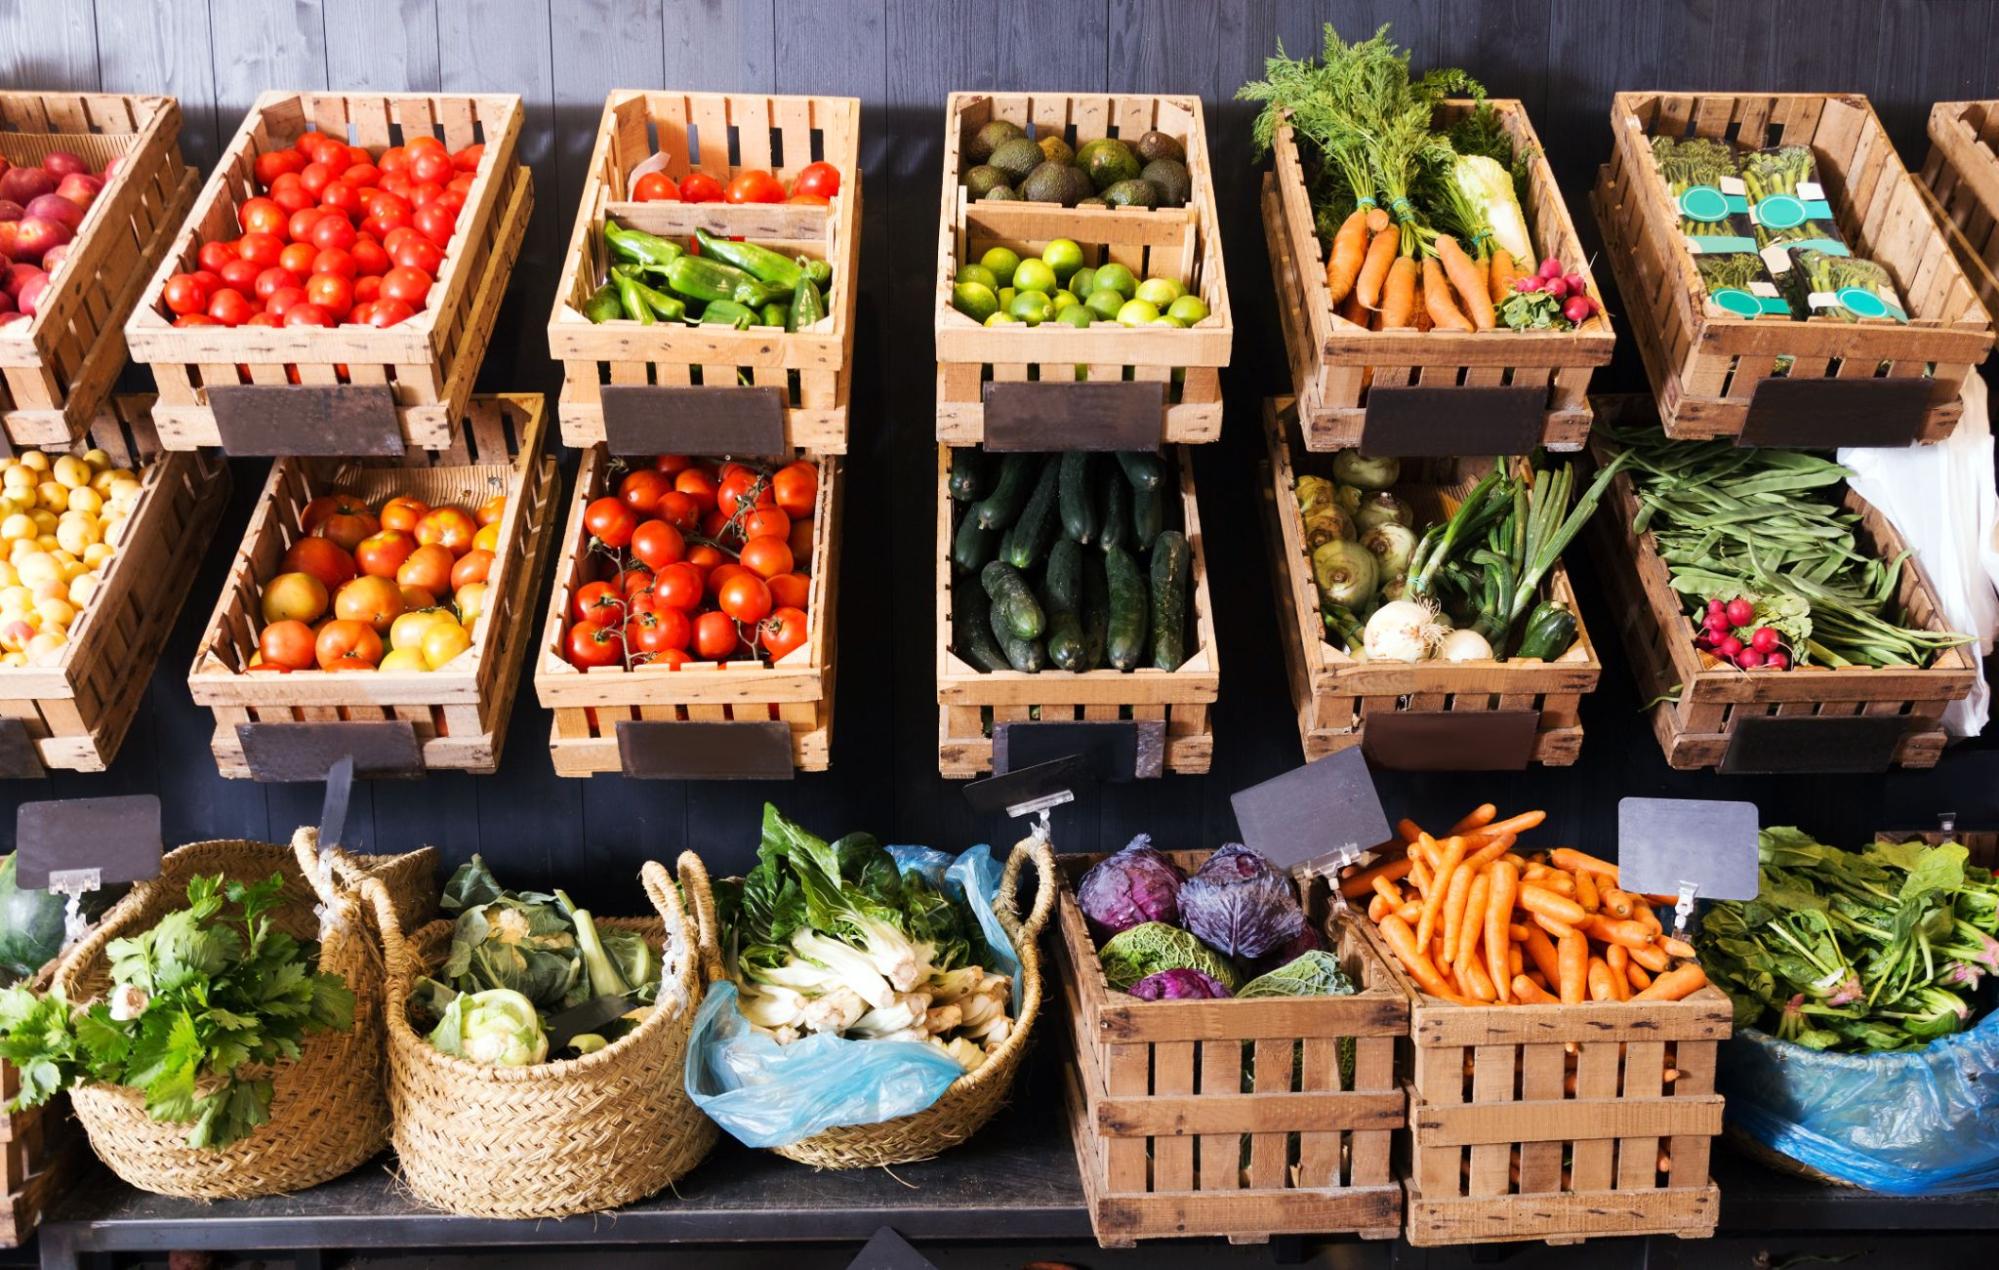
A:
<point x="24" y="185"/>
<point x="1351" y="467"/>
<point x="1577" y="310"/>
<point x="62" y="163"/>
<point x="1402" y="630"/>
<point x="1380" y="507"/>
<point x="1464" y="646"/>
<point x="56" y="208"/>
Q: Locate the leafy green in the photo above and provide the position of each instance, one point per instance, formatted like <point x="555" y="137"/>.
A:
<point x="1150" y="947"/>
<point x="206" y="994"/>
<point x="507" y="939"/>
<point x="1315" y="973"/>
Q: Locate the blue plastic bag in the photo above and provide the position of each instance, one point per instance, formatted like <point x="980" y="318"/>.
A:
<point x="1921" y="1122"/>
<point x="769" y="1095"/>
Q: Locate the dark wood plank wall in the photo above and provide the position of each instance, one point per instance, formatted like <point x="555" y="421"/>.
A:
<point x="1564" y="57"/>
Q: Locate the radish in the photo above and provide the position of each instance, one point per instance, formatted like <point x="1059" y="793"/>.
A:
<point x="1776" y="661"/>
<point x="1551" y="268"/>
<point x="1577" y="310"/>
<point x="1740" y="612"/>
<point x="1728" y="646"/>
<point x="1765" y="639"/>
<point x="1574" y="282"/>
<point x="1527" y="285"/>
<point x="1749" y="659"/>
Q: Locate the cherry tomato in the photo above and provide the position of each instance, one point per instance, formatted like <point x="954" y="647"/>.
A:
<point x="591" y="645"/>
<point x="767" y="557"/>
<point x="697" y="485"/>
<point x="655" y="187"/>
<point x="796" y="487"/>
<point x="782" y="632"/>
<point x="822" y="179"/>
<point x="408" y="285"/>
<point x="789" y="590"/>
<point x="677" y="586"/>
<point x="700" y="187"/>
<point x="658" y="544"/>
<point x="754" y="185"/>
<point x="600" y="602"/>
<point x="610" y="522"/>
<point x="715" y="636"/>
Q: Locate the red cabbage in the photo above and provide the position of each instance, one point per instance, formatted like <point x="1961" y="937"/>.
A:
<point x="1307" y="940"/>
<point x="1178" y="985"/>
<point x="1237" y="904"/>
<point x="1138" y="884"/>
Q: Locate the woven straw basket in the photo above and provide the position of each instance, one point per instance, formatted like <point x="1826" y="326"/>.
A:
<point x="328" y="1113"/>
<point x="573" y="1136"/>
<point x="973" y="1098"/>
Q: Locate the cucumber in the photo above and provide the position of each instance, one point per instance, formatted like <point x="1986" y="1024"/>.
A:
<point x="1062" y="598"/>
<point x="1096" y="610"/>
<point x="1079" y="507"/>
<point x="973" y="544"/>
<point x="1172" y="560"/>
<point x="1031" y="535"/>
<point x="1001" y="508"/>
<point x="1013" y="601"/>
<point x="1124" y="642"/>
<point x="1148" y="517"/>
<point x="971" y="473"/>
<point x="1140" y="468"/>
<point x="1114" y="527"/>
<point x="1021" y="654"/>
<point x="972" y="631"/>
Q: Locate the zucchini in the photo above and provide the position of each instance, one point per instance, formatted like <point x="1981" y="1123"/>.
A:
<point x="1096" y="610"/>
<point x="1079" y="507"/>
<point x="1030" y="537"/>
<point x="1124" y="641"/>
<point x="1013" y="600"/>
<point x="1549" y="632"/>
<point x="1172" y="560"/>
<point x="1114" y="526"/>
<point x="1141" y="468"/>
<point x="1001" y="508"/>
<point x="1148" y="517"/>
<point x="1062" y="598"/>
<point x="973" y="545"/>
<point x="972" y="631"/>
<point x="971" y="473"/>
<point x="1021" y="654"/>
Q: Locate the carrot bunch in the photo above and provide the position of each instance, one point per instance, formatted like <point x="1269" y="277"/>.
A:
<point x="1482" y="924"/>
<point x="1374" y="284"/>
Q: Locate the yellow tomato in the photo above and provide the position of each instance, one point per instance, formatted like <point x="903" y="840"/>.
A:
<point x="471" y="601"/>
<point x="444" y="641"/>
<point x="488" y="538"/>
<point x="408" y="629"/>
<point x="405" y="659"/>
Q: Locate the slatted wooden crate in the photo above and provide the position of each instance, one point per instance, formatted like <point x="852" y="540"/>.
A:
<point x="1232" y="1117"/>
<point x="795" y="692"/>
<point x="717" y="133"/>
<point x="1181" y="243"/>
<point x="428" y="362"/>
<point x="57" y="371"/>
<point x="76" y="712"/>
<point x="1961" y="174"/>
<point x="457" y="714"/>
<point x="1339" y="696"/>
<point x="1560" y="1123"/>
<point x="42" y="1152"/>
<point x="972" y="704"/>
<point x="1340" y="369"/>
<point x="1700" y="703"/>
<point x="1708" y="368"/>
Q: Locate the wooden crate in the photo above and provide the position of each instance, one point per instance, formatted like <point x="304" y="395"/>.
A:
<point x="1170" y="1142"/>
<point x="1336" y="694"/>
<point x="1698" y="701"/>
<point x="812" y="369"/>
<point x="57" y="371"/>
<point x="459" y="713"/>
<point x="429" y="361"/>
<point x="796" y="691"/>
<point x="1339" y="367"/>
<point x="971" y="703"/>
<point x="1493" y="1114"/>
<point x="77" y="711"/>
<point x="1181" y="243"/>
<point x="1706" y="366"/>
<point x="1961" y="175"/>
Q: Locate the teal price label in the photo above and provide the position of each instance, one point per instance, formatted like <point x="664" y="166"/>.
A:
<point x="1787" y="211"/>
<point x="1707" y="204"/>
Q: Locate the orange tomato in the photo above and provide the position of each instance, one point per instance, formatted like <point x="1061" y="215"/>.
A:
<point x="353" y="643"/>
<point x="487" y="539"/>
<point x="287" y="644"/>
<point x="428" y="567"/>
<point x="381" y="554"/>
<point x="491" y="510"/>
<point x="471" y="567"/>
<point x="449" y="527"/>
<point x="402" y="513"/>
<point x="416" y="597"/>
<point x="294" y="596"/>
<point x="322" y="558"/>
<point x="376" y="601"/>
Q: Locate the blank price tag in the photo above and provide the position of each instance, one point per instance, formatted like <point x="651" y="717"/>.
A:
<point x="1120" y="750"/>
<point x="1031" y="789"/>
<point x="890" y="1251"/>
<point x="333" y="811"/>
<point x="1321" y="815"/>
<point x="88" y="844"/>
<point x="1667" y="845"/>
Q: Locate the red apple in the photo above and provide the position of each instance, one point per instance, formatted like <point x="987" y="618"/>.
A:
<point x="114" y="167"/>
<point x="62" y="163"/>
<point x="6" y="304"/>
<point x="16" y="275"/>
<point x="80" y="188"/>
<point x="9" y="233"/>
<point x="57" y="208"/>
<point x="31" y="293"/>
<point x="24" y="185"/>
<point x="37" y="235"/>
<point x="54" y="256"/>
<point x="10" y="210"/>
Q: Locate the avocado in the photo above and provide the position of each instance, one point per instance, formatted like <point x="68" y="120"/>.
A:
<point x="1048" y="183"/>
<point x="1132" y="193"/>
<point x="1158" y="145"/>
<point x="1108" y="161"/>
<point x="1079" y="187"/>
<point x="1017" y="158"/>
<point x="990" y="138"/>
<point x="983" y="179"/>
<point x="1056" y="150"/>
<point x="1169" y="177"/>
<point x="1092" y="202"/>
<point x="1000" y="194"/>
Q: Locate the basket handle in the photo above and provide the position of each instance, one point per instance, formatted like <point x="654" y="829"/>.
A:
<point x="318" y="869"/>
<point x="395" y="951"/>
<point x="707" y="925"/>
<point x="665" y="899"/>
<point x="1034" y="847"/>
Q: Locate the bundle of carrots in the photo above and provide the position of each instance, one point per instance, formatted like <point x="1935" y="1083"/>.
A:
<point x="1482" y="924"/>
<point x="1373" y="283"/>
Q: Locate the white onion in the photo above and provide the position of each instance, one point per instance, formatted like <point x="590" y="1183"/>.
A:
<point x="1402" y="630"/>
<point x="1464" y="646"/>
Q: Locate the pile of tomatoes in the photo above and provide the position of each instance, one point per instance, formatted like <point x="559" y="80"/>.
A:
<point x="396" y="587"/>
<point x="815" y="183"/>
<point x="338" y="237"/>
<point x="696" y="560"/>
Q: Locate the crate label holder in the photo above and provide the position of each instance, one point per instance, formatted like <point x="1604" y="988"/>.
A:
<point x="1822" y="743"/>
<point x="1423" y="422"/>
<point x="1314" y="819"/>
<point x="73" y="846"/>
<point x="684" y="419"/>
<point x="1119" y="750"/>
<point x="307" y="420"/>
<point x="1088" y="415"/>
<point x="291" y="752"/>
<point x="1451" y="741"/>
<point x="698" y="749"/>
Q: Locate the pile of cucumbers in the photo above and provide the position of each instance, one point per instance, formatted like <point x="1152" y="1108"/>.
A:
<point x="1068" y="561"/>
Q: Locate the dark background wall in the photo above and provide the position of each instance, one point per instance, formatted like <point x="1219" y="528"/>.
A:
<point x="900" y="57"/>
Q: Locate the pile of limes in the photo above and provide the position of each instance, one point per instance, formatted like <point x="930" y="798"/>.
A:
<point x="1056" y="286"/>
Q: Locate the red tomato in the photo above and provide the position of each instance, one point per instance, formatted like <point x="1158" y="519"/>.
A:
<point x="705" y="558"/>
<point x="669" y="464"/>
<point x="430" y="165"/>
<point x="331" y="292"/>
<point x="332" y="231"/>
<point x="370" y="260"/>
<point x="641" y="490"/>
<point x="361" y="175"/>
<point x="260" y="216"/>
<point x="782" y="632"/>
<point x="345" y="644"/>
<point x="473" y="566"/>
<point x="715" y="636"/>
<point x="241" y="274"/>
<point x="735" y="493"/>
<point x="721" y="572"/>
<point x="451" y="527"/>
<point x="754" y="185"/>
<point x="413" y="251"/>
<point x="600" y="602"/>
<point x="342" y="198"/>
<point x="796" y="487"/>
<point x="766" y="522"/>
<point x="393" y="159"/>
<point x="697" y="485"/>
<point x="230" y="307"/>
<point x="385" y="313"/>
<point x="467" y="160"/>
<point x="323" y="558"/>
<point x="822" y="179"/>
<point x="291" y="196"/>
<point x="655" y="187"/>
<point x="679" y="510"/>
<point x="767" y="557"/>
<point x="260" y="248"/>
<point x="186" y="294"/>
<point x="297" y="258"/>
<point x="591" y="645"/>
<point x="632" y="583"/>
<point x="298" y="227"/>
<point x="436" y="222"/>
<point x="677" y="586"/>
<point x="744" y="597"/>
<point x="809" y="200"/>
<point x="658" y="544"/>
<point x="789" y="590"/>
<point x="273" y="164"/>
<point x="408" y="285"/>
<point x="195" y="319"/>
<point x="333" y="260"/>
<point x="306" y="313"/>
<point x="315" y="177"/>
<point x="714" y="522"/>
<point x="610" y="522"/>
<point x="700" y="187"/>
<point x="657" y="630"/>
<point x="288" y="644"/>
<point x="264" y="318"/>
<point x="214" y="255"/>
<point x="280" y="302"/>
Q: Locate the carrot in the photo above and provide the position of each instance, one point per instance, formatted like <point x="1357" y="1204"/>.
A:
<point x="1387" y="890"/>
<point x="1639" y="979"/>
<point x="1542" y="951"/>
<point x="1477" y="818"/>
<point x="1454" y="909"/>
<point x="1586" y="892"/>
<point x="1579" y="862"/>
<point x="1490" y="851"/>
<point x="1619" y="962"/>
<point x="1419" y="873"/>
<point x="1599" y="980"/>
<point x="1410" y="911"/>
<point x="1424" y="322"/>
<point x="1374" y="267"/>
<point x="1681" y="981"/>
<point x="1481" y="985"/>
<point x="1649" y="918"/>
<point x="1398" y="299"/>
<point x="1463" y="275"/>
<point x="1474" y="925"/>
<point x="1513" y="824"/>
<point x="1433" y="899"/>
<point x="1484" y="266"/>
<point x="1545" y="903"/>
<point x="1437" y="298"/>
<point x="1563" y="884"/>
<point x="1518" y="932"/>
<point x="1515" y="963"/>
<point x="1620" y="903"/>
<point x="1677" y="948"/>
<point x="1652" y="957"/>
<point x="1557" y="930"/>
<point x="1539" y="980"/>
<point x="1408" y="830"/>
<point x="1573" y="955"/>
<point x="1403" y="941"/>
<point x="1377" y="908"/>
<point x="1498" y="911"/>
<point x="1532" y="993"/>
<point x="1349" y="250"/>
<point x="1358" y="884"/>
<point x="1500" y="282"/>
<point x="1610" y="931"/>
<point x="1354" y="311"/>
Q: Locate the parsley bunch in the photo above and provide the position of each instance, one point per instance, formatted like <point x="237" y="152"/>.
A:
<point x="207" y="995"/>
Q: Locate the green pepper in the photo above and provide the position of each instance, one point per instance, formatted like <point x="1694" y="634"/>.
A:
<point x="819" y="271"/>
<point x="666" y="307"/>
<point x="760" y="263"/>
<point x="699" y="278"/>
<point x="807" y="306"/>
<point x="630" y="299"/>
<point x="728" y="313"/>
<point x="775" y="314"/>
<point x="639" y="247"/>
<point x="604" y="304"/>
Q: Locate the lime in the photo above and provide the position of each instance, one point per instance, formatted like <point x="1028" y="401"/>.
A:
<point x="1082" y="282"/>
<point x="1160" y="291"/>
<point x="1063" y="255"/>
<point x="1104" y="303"/>
<point x="1077" y="315"/>
<point x="975" y="300"/>
<point x="1117" y="278"/>
<point x="1006" y="295"/>
<point x="1001" y="262"/>
<point x="1188" y="309"/>
<point x="1167" y="319"/>
<point x="1035" y="275"/>
<point x="1063" y="300"/>
<point x="1002" y="319"/>
<point x="1032" y="307"/>
<point x="979" y="274"/>
<point x="1137" y="313"/>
